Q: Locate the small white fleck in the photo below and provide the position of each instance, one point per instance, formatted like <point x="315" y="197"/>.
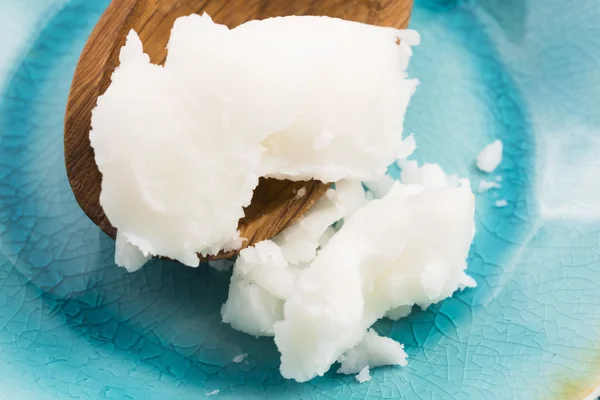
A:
<point x="466" y="282"/>
<point x="490" y="157"/>
<point x="409" y="37"/>
<point x="240" y="358"/>
<point x="501" y="203"/>
<point x="331" y="195"/>
<point x="364" y="375"/>
<point x="216" y="391"/>
<point x="485" y="185"/>
<point x="300" y="193"/>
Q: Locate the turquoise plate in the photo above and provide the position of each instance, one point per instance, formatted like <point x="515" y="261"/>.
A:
<point x="74" y="326"/>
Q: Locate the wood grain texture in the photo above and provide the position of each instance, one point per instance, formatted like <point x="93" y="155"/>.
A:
<point x="274" y="205"/>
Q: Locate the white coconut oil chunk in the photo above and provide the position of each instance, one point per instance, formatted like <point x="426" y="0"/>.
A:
<point x="260" y="282"/>
<point x="410" y="247"/>
<point x="129" y="256"/>
<point x="264" y="275"/>
<point x="490" y="157"/>
<point x="364" y="375"/>
<point x="181" y="147"/>
<point x="373" y="351"/>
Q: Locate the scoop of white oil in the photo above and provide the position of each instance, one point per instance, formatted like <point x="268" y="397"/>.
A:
<point x="181" y="147"/>
<point x="407" y="248"/>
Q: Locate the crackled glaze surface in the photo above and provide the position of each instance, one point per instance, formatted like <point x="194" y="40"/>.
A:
<point x="72" y="325"/>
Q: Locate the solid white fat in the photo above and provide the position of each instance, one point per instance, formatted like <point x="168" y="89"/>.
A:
<point x="466" y="281"/>
<point x="260" y="282"/>
<point x="181" y="147"/>
<point x="327" y="72"/>
<point x="355" y="68"/>
<point x="250" y="308"/>
<point x="364" y="375"/>
<point x="129" y="256"/>
<point x="161" y="187"/>
<point x="490" y="157"/>
<point x="265" y="265"/>
<point x="373" y="351"/>
<point x="264" y="275"/>
<point x="410" y="247"/>
<point x="299" y="243"/>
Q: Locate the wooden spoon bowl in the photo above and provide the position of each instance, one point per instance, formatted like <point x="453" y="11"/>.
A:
<point x="275" y="204"/>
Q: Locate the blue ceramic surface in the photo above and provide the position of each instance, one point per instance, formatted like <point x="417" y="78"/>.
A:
<point x="74" y="326"/>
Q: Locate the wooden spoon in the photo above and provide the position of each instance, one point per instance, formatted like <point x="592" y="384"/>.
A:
<point x="275" y="204"/>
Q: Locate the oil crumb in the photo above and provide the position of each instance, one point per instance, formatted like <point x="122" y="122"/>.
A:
<point x="490" y="157"/>
<point x="364" y="375"/>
